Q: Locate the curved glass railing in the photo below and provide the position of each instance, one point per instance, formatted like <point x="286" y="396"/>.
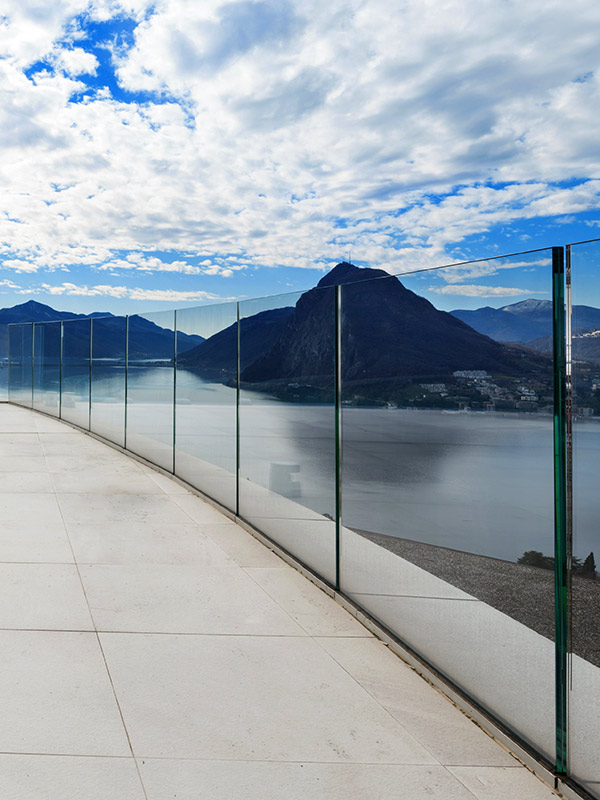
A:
<point x="407" y="438"/>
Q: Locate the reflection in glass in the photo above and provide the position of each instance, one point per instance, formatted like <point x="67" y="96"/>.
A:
<point x="584" y="722"/>
<point x="287" y="422"/>
<point x="447" y="473"/>
<point x="46" y="367"/>
<point x="20" y="339"/>
<point x="109" y="348"/>
<point x="75" y="394"/>
<point x="205" y="436"/>
<point x="150" y="387"/>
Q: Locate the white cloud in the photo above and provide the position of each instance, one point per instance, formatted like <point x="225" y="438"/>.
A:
<point x="77" y="62"/>
<point x="473" y="290"/>
<point x="120" y="292"/>
<point x="284" y="133"/>
<point x="459" y="274"/>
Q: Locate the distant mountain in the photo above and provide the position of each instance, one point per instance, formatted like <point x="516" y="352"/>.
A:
<point x="387" y="331"/>
<point x="218" y="353"/>
<point x="585" y="345"/>
<point x="522" y="322"/>
<point x="146" y="339"/>
<point x="32" y="311"/>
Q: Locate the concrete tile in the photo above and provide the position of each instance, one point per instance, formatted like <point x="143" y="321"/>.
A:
<point x="56" y="697"/>
<point x="249" y="698"/>
<point x="444" y="730"/>
<point x="145" y="543"/>
<point x="498" y="783"/>
<point x="31" y="542"/>
<point x="25" y="777"/>
<point x="182" y="599"/>
<point x="25" y="482"/>
<point x="46" y="424"/>
<point x="39" y="508"/>
<point x="63" y="445"/>
<point x="198" y="510"/>
<point x="101" y="508"/>
<point x="310" y="607"/>
<point x="26" y="448"/>
<point x="22" y="463"/>
<point x="256" y="780"/>
<point x="19" y="437"/>
<point x="65" y="434"/>
<point x="104" y="481"/>
<point x="12" y="414"/>
<point x="240" y="545"/>
<point x="167" y="485"/>
<point x="42" y="596"/>
<point x="81" y="461"/>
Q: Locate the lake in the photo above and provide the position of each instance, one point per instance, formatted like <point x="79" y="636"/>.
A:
<point x="479" y="482"/>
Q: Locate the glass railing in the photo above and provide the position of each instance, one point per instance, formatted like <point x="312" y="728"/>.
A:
<point x="406" y="438"/>
<point x="447" y="478"/>
<point x="583" y="362"/>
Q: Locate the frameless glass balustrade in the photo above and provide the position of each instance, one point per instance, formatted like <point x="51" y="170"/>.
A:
<point x="584" y="719"/>
<point x="205" y="435"/>
<point x="287" y="423"/>
<point x="447" y="474"/>
<point x="421" y="407"/>
<point x="46" y="367"/>
<point x="20" y="356"/>
<point x="109" y="351"/>
<point x="150" y="386"/>
<point x="75" y="391"/>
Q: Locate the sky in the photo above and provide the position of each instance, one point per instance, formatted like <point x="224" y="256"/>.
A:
<point x="175" y="153"/>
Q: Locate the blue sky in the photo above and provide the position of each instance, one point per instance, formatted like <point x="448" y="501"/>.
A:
<point x="172" y="153"/>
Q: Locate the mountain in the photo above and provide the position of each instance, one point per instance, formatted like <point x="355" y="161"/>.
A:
<point x="32" y="311"/>
<point x="146" y="339"/>
<point x="522" y="322"/>
<point x="585" y="345"/>
<point x="387" y="331"/>
<point x="218" y="353"/>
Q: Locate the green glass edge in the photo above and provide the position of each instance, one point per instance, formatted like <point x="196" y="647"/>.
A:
<point x="337" y="322"/>
<point x="560" y="516"/>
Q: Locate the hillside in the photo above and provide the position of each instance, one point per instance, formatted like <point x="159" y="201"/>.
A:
<point x="146" y="339"/>
<point x="219" y="352"/>
<point x="387" y="331"/>
<point x="523" y="322"/>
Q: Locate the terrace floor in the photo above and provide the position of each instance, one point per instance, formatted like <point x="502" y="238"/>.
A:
<point x="152" y="648"/>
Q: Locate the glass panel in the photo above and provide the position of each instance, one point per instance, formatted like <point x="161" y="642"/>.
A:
<point x="584" y="720"/>
<point x="46" y="367"/>
<point x="150" y="387"/>
<point x="205" y="439"/>
<point x="109" y="347"/>
<point x="3" y="363"/>
<point x="19" y="344"/>
<point x="287" y="423"/>
<point x="75" y="397"/>
<point x="447" y="491"/>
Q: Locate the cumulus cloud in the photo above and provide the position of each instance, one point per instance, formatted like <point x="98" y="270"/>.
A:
<point x="460" y="273"/>
<point x="77" y="61"/>
<point x="473" y="290"/>
<point x="281" y="134"/>
<point x="133" y="293"/>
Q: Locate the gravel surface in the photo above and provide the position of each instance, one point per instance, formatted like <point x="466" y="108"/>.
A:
<point x="522" y="592"/>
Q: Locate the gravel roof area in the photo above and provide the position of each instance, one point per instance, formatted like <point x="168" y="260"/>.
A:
<point x="522" y="592"/>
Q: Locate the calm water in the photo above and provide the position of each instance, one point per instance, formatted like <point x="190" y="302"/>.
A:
<point x="476" y="482"/>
